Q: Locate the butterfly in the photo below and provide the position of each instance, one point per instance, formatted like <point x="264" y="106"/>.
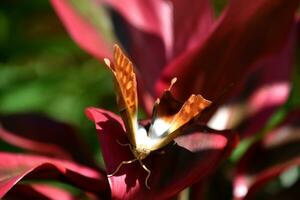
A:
<point x="168" y="116"/>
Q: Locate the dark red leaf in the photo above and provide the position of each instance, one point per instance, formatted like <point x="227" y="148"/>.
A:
<point x="147" y="16"/>
<point x="267" y="159"/>
<point x="83" y="32"/>
<point x="155" y="32"/>
<point x="39" y="191"/>
<point x="192" y="28"/>
<point x="197" y="154"/>
<point x="243" y="35"/>
<point x="42" y="135"/>
<point x="16" y="167"/>
<point x="263" y="93"/>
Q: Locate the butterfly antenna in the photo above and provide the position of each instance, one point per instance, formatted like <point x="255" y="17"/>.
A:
<point x="148" y="175"/>
<point x="120" y="165"/>
<point x="173" y="81"/>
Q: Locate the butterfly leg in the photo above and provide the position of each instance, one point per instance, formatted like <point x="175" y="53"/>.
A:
<point x="120" y="165"/>
<point x="148" y="175"/>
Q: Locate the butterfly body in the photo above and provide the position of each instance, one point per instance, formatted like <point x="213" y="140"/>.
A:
<point x="141" y="152"/>
<point x="145" y="144"/>
<point x="168" y="118"/>
<point x="142" y="149"/>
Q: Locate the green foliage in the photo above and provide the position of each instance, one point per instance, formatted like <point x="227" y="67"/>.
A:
<point x="97" y="16"/>
<point x="42" y="70"/>
<point x="219" y="5"/>
<point x="294" y="99"/>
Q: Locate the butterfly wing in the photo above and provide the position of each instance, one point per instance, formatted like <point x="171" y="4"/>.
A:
<point x="178" y="118"/>
<point x="125" y="82"/>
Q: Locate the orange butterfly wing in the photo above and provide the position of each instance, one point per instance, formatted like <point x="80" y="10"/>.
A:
<point x="179" y="117"/>
<point x="126" y="85"/>
<point x="127" y="100"/>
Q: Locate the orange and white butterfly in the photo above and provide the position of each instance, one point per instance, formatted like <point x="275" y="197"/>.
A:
<point x="165" y="124"/>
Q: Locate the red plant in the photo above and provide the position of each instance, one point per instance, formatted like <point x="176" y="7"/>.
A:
<point x="241" y="60"/>
<point x="59" y="155"/>
<point x="198" y="152"/>
<point x="182" y="39"/>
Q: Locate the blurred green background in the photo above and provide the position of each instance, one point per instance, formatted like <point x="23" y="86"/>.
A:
<point x="42" y="70"/>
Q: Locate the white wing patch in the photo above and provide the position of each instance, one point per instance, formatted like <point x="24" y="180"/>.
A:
<point x="159" y="128"/>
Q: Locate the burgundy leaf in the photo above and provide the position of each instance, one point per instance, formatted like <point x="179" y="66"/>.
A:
<point x="39" y="191"/>
<point x="263" y="93"/>
<point x="145" y="48"/>
<point x="272" y="87"/>
<point x="197" y="154"/>
<point x="147" y="16"/>
<point x="193" y="28"/>
<point x="147" y="52"/>
<point x="244" y="34"/>
<point x="42" y="135"/>
<point x="276" y="153"/>
<point x="245" y="186"/>
<point x="16" y="167"/>
<point x="154" y="32"/>
<point x="82" y="31"/>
